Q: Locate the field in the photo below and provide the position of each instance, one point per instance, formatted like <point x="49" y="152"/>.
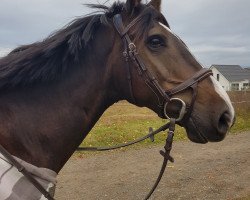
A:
<point x="125" y="122"/>
<point x="241" y="103"/>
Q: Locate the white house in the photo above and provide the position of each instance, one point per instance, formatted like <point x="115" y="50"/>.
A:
<point x="232" y="77"/>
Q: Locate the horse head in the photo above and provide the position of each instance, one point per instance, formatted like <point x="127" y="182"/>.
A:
<point x="157" y="70"/>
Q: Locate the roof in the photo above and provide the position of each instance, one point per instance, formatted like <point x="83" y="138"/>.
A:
<point x="233" y="72"/>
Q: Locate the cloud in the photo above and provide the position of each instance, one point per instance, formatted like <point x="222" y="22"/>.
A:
<point x="4" y="51"/>
<point x="214" y="30"/>
<point x="218" y="49"/>
<point x="27" y="21"/>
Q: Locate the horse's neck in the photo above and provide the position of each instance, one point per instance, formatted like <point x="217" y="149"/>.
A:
<point x="44" y="124"/>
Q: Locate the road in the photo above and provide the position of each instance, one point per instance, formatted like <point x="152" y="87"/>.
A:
<point x="212" y="171"/>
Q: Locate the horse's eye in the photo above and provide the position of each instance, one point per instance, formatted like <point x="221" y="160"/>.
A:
<point x="156" y="41"/>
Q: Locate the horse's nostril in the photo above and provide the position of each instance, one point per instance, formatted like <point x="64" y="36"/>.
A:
<point x="224" y="123"/>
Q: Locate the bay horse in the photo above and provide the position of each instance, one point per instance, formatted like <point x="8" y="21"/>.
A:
<point x="53" y="92"/>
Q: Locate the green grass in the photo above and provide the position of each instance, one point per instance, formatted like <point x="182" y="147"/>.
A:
<point x="241" y="103"/>
<point x="124" y="122"/>
<point x="242" y="123"/>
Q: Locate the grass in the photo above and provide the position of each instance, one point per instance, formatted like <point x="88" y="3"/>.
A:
<point x="124" y="122"/>
<point x="241" y="103"/>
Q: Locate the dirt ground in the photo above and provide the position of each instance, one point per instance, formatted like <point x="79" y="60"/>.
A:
<point x="212" y="171"/>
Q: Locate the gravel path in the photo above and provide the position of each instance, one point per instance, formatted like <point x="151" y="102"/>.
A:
<point x="212" y="171"/>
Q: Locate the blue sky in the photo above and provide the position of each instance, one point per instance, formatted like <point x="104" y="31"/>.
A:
<point x="216" y="31"/>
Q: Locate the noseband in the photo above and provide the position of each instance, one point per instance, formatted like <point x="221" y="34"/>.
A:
<point x="164" y="97"/>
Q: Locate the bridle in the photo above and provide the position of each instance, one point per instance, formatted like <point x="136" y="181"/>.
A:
<point x="130" y="53"/>
<point x="164" y="99"/>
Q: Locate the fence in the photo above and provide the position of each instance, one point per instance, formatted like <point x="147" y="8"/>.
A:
<point x="240" y="101"/>
<point x="239" y="96"/>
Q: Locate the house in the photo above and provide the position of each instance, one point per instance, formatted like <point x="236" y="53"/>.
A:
<point x="232" y="77"/>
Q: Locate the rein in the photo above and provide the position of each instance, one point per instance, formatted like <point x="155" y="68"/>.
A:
<point x="166" y="154"/>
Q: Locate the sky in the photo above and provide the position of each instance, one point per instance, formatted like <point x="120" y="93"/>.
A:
<point x="216" y="31"/>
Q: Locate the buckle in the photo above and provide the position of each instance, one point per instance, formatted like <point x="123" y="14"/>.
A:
<point x="132" y="47"/>
<point x="182" y="111"/>
<point x="132" y="50"/>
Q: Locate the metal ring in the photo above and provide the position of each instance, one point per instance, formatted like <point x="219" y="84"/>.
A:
<point x="182" y="110"/>
<point x="131" y="46"/>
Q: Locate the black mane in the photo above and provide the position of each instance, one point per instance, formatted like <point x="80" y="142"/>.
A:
<point x="49" y="59"/>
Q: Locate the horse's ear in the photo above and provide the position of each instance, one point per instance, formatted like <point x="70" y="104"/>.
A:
<point x="156" y="4"/>
<point x="132" y="4"/>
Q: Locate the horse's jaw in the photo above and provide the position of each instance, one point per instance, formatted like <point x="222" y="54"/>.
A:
<point x="194" y="133"/>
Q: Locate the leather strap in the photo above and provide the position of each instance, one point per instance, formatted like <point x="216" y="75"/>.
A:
<point x="150" y="135"/>
<point x="166" y="155"/>
<point x="196" y="78"/>
<point x="119" y="23"/>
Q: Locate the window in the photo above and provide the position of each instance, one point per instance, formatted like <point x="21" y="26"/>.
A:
<point x="218" y="77"/>
<point x="246" y="86"/>
<point x="235" y="86"/>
